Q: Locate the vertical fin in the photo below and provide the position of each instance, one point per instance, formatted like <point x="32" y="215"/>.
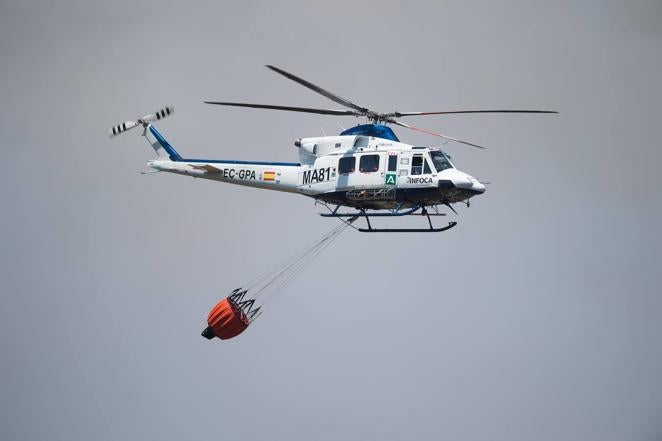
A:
<point x="162" y="147"/>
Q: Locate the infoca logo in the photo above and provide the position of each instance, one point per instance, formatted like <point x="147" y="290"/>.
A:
<point x="411" y="180"/>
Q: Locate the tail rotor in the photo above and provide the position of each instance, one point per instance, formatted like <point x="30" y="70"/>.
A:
<point x="144" y="121"/>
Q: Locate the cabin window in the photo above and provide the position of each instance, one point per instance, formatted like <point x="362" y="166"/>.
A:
<point x="369" y="163"/>
<point x="347" y="165"/>
<point x="417" y="165"/>
<point x="426" y="168"/>
<point x="392" y="163"/>
<point x="315" y="150"/>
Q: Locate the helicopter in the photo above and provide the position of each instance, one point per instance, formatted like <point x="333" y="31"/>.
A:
<point x="366" y="168"/>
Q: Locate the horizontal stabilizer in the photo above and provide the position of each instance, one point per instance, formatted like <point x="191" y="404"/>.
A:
<point x="206" y="168"/>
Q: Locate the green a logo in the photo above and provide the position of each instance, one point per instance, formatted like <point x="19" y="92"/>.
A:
<point x="390" y="179"/>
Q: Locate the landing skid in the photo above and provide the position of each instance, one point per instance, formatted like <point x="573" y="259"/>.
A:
<point x="394" y="213"/>
<point x="407" y="230"/>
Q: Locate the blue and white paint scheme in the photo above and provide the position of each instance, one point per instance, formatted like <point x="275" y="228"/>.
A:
<point x="333" y="168"/>
<point x="352" y="169"/>
<point x="366" y="167"/>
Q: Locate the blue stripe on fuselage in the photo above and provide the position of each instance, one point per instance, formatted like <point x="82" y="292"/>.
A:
<point x="174" y="156"/>
<point x="231" y="161"/>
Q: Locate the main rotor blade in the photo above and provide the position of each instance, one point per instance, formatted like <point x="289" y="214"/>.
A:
<point x="393" y="121"/>
<point x="400" y="114"/>
<point x="319" y="90"/>
<point x="289" y="108"/>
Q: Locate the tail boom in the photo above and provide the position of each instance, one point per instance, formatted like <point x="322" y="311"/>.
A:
<point x="277" y="176"/>
<point x="280" y="176"/>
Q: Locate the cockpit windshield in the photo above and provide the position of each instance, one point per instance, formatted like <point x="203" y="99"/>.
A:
<point x="440" y="160"/>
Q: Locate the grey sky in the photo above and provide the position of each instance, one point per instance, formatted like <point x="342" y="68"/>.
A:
<point x="538" y="317"/>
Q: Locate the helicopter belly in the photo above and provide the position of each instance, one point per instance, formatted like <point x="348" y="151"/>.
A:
<point x="383" y="198"/>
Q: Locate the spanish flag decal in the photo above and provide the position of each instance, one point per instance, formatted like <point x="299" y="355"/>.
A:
<point x="269" y="176"/>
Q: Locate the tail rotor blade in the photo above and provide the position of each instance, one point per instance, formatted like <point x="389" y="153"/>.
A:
<point x="121" y="128"/>
<point x="128" y="125"/>
<point x="159" y="114"/>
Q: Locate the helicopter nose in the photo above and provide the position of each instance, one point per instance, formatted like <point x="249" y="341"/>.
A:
<point x="478" y="186"/>
<point x="468" y="182"/>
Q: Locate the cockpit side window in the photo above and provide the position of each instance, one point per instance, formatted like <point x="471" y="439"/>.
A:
<point x="440" y="161"/>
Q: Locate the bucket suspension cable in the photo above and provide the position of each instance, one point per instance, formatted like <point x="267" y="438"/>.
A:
<point x="270" y="286"/>
<point x="232" y="315"/>
<point x="284" y="265"/>
<point x="284" y="282"/>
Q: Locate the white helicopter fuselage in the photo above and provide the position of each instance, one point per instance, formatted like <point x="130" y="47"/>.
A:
<point x="358" y="171"/>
